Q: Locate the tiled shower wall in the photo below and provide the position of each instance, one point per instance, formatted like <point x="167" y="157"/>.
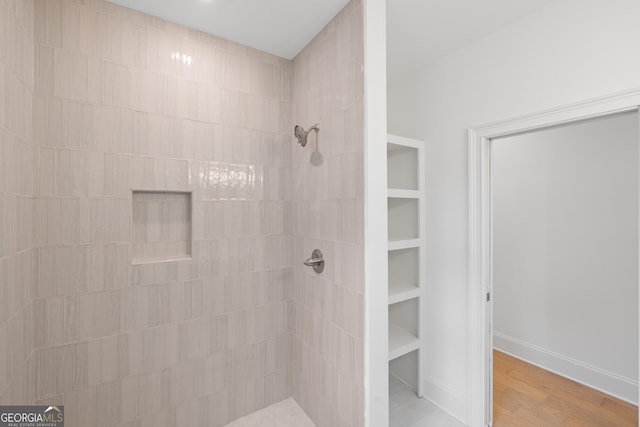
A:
<point x="18" y="361"/>
<point x="327" y="213"/>
<point x="96" y="101"/>
<point x="125" y="101"/>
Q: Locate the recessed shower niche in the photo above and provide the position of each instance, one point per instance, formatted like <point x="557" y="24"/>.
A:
<point x="161" y="226"/>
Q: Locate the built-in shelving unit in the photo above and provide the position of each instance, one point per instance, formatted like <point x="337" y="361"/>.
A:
<point x="404" y="244"/>
<point x="405" y="175"/>
<point x="403" y="194"/>
<point x="403" y="268"/>
<point x="401" y="341"/>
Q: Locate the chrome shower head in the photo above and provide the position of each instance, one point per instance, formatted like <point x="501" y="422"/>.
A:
<point x="301" y="134"/>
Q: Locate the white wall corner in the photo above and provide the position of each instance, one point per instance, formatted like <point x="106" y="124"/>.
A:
<point x="376" y="381"/>
<point x="445" y="398"/>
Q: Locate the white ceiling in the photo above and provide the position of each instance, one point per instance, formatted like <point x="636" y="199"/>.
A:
<point x="420" y="31"/>
<point x="279" y="27"/>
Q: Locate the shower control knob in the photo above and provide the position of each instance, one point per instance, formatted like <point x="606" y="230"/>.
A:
<point x="316" y="261"/>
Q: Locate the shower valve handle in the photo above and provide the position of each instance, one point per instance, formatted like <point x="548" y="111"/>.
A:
<point x="310" y="262"/>
<point x="316" y="261"/>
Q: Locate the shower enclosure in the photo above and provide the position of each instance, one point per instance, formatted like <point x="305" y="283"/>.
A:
<point x="156" y="212"/>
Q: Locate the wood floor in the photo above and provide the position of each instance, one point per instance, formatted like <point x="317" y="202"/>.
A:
<point x="528" y="396"/>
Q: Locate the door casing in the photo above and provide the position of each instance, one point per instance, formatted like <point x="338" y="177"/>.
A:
<point x="479" y="409"/>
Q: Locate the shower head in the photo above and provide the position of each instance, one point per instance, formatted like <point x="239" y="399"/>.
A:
<point x="301" y="134"/>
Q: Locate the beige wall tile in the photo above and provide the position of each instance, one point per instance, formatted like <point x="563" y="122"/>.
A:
<point x="54" y="321"/>
<point x="64" y="377"/>
<point x="95" y="357"/>
<point x="47" y="372"/>
<point x="212" y="336"/>
<point x="45" y="70"/>
<point x="327" y="213"/>
<point x="53" y="23"/>
<point x="62" y="79"/>
<point x="79" y="86"/>
<point x="3" y="98"/>
<point x="87" y="406"/>
<point x="46" y="171"/>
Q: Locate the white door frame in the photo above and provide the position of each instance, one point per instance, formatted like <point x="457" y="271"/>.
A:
<point x="480" y="232"/>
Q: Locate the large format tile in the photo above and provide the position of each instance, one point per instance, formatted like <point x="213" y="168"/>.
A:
<point x="407" y="410"/>
<point x="282" y="414"/>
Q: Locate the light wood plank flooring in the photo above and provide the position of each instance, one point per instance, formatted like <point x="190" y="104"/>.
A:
<point x="528" y="396"/>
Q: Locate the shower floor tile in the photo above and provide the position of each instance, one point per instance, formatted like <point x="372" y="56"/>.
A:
<point x="282" y="414"/>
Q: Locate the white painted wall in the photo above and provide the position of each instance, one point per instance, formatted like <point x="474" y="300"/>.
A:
<point x="569" y="51"/>
<point x="565" y="212"/>
<point x="376" y="338"/>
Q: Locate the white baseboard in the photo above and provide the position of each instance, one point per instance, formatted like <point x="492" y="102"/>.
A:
<point x="445" y="398"/>
<point x="591" y="376"/>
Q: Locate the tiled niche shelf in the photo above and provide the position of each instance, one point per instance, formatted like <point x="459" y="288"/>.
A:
<point x="161" y="226"/>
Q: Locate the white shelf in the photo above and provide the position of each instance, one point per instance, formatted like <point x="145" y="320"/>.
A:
<point x="402" y="291"/>
<point x="401" y="341"/>
<point x="406" y="251"/>
<point x="395" y="245"/>
<point x="404" y="218"/>
<point x="402" y="166"/>
<point x="394" y="193"/>
<point x="395" y="142"/>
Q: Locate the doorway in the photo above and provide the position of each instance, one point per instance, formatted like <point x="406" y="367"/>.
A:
<point x="480" y="232"/>
<point x="565" y="274"/>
